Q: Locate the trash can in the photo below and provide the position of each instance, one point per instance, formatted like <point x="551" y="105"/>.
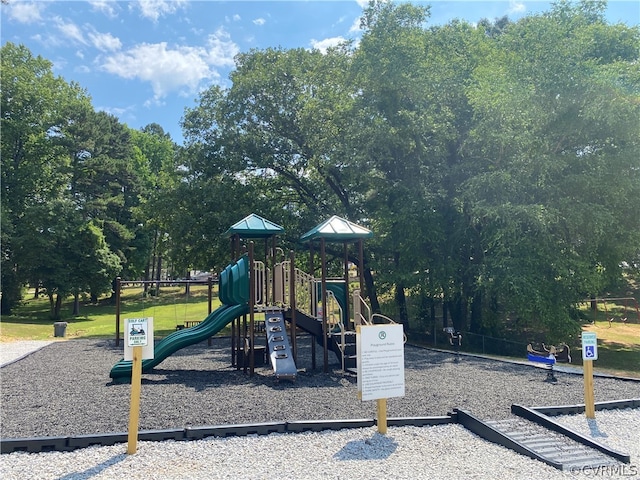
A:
<point x="59" y="329"/>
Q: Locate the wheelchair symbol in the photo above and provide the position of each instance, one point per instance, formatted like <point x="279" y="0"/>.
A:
<point x="589" y="351"/>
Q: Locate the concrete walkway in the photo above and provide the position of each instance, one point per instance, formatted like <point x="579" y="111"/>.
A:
<point x="13" y="351"/>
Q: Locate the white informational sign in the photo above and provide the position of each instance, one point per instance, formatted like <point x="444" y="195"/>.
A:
<point x="589" y="346"/>
<point x="138" y="333"/>
<point x="380" y="361"/>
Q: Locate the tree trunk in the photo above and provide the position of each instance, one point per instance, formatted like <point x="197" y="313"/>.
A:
<point x="76" y="304"/>
<point x="401" y="301"/>
<point x="55" y="306"/>
<point x="445" y="313"/>
<point x="159" y="269"/>
<point x="11" y="291"/>
<point x="457" y="309"/>
<point x="475" y="324"/>
<point x="371" y="290"/>
<point x="433" y="312"/>
<point x="58" y="306"/>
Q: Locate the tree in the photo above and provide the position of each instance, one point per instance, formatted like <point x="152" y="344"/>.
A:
<point x="469" y="150"/>
<point x="555" y="137"/>
<point x="36" y="107"/>
<point x="77" y="258"/>
<point x="156" y="166"/>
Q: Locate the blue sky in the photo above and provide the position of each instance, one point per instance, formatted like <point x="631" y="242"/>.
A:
<point x="145" y="61"/>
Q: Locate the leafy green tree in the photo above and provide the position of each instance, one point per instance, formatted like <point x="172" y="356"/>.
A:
<point x="156" y="165"/>
<point x="77" y="257"/>
<point x="271" y="138"/>
<point x="555" y="107"/>
<point x="472" y="152"/>
<point x="36" y="107"/>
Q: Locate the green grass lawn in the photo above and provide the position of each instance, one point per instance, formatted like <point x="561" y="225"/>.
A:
<point x="618" y="347"/>
<point x="172" y="307"/>
<point x="618" y="342"/>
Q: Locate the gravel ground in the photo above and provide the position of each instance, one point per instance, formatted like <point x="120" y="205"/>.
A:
<point x="437" y="453"/>
<point x="65" y="389"/>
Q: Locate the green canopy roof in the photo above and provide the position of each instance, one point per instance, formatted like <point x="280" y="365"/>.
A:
<point x="337" y="229"/>
<point x="254" y="226"/>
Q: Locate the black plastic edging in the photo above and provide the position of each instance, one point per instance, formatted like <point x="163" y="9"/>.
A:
<point x="421" y="421"/>
<point x="240" y="430"/>
<point x="576" y="409"/>
<point x="34" y="444"/>
<point x="65" y="444"/>
<point x="320" y="425"/>
<point x="547" y="422"/>
<point x="477" y="426"/>
<point x="100" y="440"/>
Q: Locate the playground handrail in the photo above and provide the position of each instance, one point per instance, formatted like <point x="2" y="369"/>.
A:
<point x="260" y="283"/>
<point x="358" y="303"/>
<point x="306" y="296"/>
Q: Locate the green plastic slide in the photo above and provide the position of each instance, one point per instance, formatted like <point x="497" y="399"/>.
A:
<point x="166" y="347"/>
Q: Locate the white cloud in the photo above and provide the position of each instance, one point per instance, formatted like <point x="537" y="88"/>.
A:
<point x="259" y="21"/>
<point x="82" y="69"/>
<point x="154" y="9"/>
<point x="70" y="30"/>
<point x="355" y="26"/>
<point x="25" y="12"/>
<point x="516" y="7"/>
<point x="323" y="45"/>
<point x="105" y="6"/>
<point x="167" y="69"/>
<point x="362" y="3"/>
<point x="164" y="68"/>
<point x="118" y="111"/>
<point x="221" y="49"/>
<point x="105" y="42"/>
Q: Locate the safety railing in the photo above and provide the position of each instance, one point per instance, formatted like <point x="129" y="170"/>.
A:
<point x="306" y="294"/>
<point x="361" y="310"/>
<point x="363" y="316"/>
<point x="260" y="284"/>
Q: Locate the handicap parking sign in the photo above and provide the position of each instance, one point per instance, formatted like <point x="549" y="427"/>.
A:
<point x="589" y="346"/>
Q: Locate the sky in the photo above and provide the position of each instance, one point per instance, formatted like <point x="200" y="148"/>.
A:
<point x="145" y="61"/>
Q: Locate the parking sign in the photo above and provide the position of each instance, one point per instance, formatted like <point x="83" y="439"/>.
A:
<point x="589" y="346"/>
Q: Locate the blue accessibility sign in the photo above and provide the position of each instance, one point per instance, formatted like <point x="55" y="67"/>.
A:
<point x="589" y="346"/>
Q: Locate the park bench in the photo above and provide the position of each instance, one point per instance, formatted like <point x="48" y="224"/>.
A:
<point x="188" y="324"/>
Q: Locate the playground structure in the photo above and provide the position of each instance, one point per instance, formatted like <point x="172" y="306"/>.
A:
<point x="548" y="357"/>
<point x="290" y="300"/>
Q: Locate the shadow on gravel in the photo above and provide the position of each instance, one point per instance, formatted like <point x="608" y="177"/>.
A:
<point x="378" y="447"/>
<point x="203" y="380"/>
<point x="93" y="471"/>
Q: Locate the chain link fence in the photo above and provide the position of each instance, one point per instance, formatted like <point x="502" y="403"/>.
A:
<point x="471" y="342"/>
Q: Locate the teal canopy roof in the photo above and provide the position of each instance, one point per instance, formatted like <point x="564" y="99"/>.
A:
<point x="337" y="229"/>
<point x="254" y="226"/>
